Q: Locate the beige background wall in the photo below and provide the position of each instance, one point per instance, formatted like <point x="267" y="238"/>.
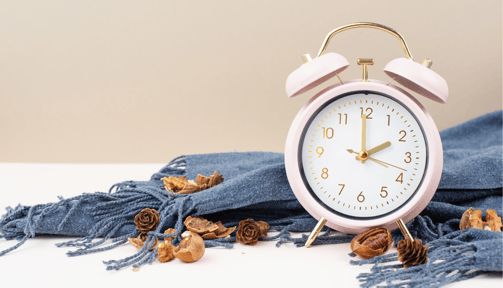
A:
<point x="145" y="81"/>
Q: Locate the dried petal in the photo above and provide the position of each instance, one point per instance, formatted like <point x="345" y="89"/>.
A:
<point x="211" y="181"/>
<point x="169" y="231"/>
<point x="371" y="243"/>
<point x="475" y="220"/>
<point x="180" y="185"/>
<point x="412" y="253"/>
<point x="192" y="188"/>
<point x="221" y="232"/>
<point x="465" y="219"/>
<point x="166" y="252"/>
<point x="174" y="184"/>
<point x="138" y="243"/>
<point x="493" y="221"/>
<point x="263" y="226"/>
<point x="200" y="225"/>
<point x="191" y="248"/>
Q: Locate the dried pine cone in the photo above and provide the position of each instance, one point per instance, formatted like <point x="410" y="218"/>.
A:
<point x="249" y="231"/>
<point x="412" y="253"/>
<point x="147" y="220"/>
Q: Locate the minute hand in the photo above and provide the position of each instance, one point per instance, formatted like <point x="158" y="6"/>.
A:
<point x="379" y="148"/>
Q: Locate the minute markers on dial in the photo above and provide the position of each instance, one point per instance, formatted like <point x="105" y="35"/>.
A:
<point x="325" y="152"/>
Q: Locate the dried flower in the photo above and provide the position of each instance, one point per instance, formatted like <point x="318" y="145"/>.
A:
<point x="412" y="252"/>
<point x="191" y="248"/>
<point x="180" y="185"/>
<point x="249" y="231"/>
<point x="371" y="243"/>
<point x="138" y="242"/>
<point x="473" y="219"/>
<point x="147" y="220"/>
<point x="167" y="232"/>
<point x="166" y="252"/>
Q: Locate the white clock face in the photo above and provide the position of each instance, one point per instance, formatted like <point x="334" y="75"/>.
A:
<point x="396" y="155"/>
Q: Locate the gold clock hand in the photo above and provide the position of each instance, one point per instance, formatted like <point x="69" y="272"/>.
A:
<point x="358" y="158"/>
<point x="364" y="133"/>
<point x="379" y="148"/>
<point x="375" y="160"/>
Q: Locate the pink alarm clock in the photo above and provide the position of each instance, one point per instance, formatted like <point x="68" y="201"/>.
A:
<point x="364" y="153"/>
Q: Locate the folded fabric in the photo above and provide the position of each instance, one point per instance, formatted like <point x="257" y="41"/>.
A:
<point x="256" y="187"/>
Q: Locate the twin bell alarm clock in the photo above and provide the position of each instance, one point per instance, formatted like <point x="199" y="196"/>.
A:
<point x="363" y="153"/>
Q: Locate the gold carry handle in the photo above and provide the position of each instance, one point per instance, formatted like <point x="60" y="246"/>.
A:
<point x="365" y="25"/>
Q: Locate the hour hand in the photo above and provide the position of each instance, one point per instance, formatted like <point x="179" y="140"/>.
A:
<point x="379" y="148"/>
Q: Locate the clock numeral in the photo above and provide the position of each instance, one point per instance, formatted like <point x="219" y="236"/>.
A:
<point x="384" y="191"/>
<point x="320" y="151"/>
<point x="324" y="173"/>
<point x="343" y="185"/>
<point x="399" y="178"/>
<point x="328" y="132"/>
<point x="345" y="118"/>
<point x="360" y="196"/>
<point x="367" y="111"/>
<point x="408" y="154"/>
<point x="388" y="119"/>
<point x="404" y="134"/>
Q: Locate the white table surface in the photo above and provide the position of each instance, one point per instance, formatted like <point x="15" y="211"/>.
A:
<point x="39" y="263"/>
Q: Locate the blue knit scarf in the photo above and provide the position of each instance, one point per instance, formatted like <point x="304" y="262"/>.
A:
<point x="256" y="187"/>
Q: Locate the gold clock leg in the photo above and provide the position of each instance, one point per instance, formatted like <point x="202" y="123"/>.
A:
<point x="316" y="231"/>
<point x="404" y="230"/>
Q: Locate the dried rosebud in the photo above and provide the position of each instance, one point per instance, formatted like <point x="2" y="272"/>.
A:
<point x="191" y="248"/>
<point x="147" y="220"/>
<point x="138" y="242"/>
<point x="412" y="253"/>
<point x="249" y="231"/>
<point x="166" y="252"/>
<point x="167" y="232"/>
<point x="221" y="232"/>
<point x="371" y="243"/>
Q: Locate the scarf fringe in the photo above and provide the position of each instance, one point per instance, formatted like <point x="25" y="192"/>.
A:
<point x="450" y="259"/>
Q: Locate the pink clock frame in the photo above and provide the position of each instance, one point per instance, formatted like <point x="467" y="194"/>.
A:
<point x="410" y="209"/>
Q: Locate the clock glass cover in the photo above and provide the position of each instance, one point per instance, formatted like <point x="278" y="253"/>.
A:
<point x="331" y="147"/>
